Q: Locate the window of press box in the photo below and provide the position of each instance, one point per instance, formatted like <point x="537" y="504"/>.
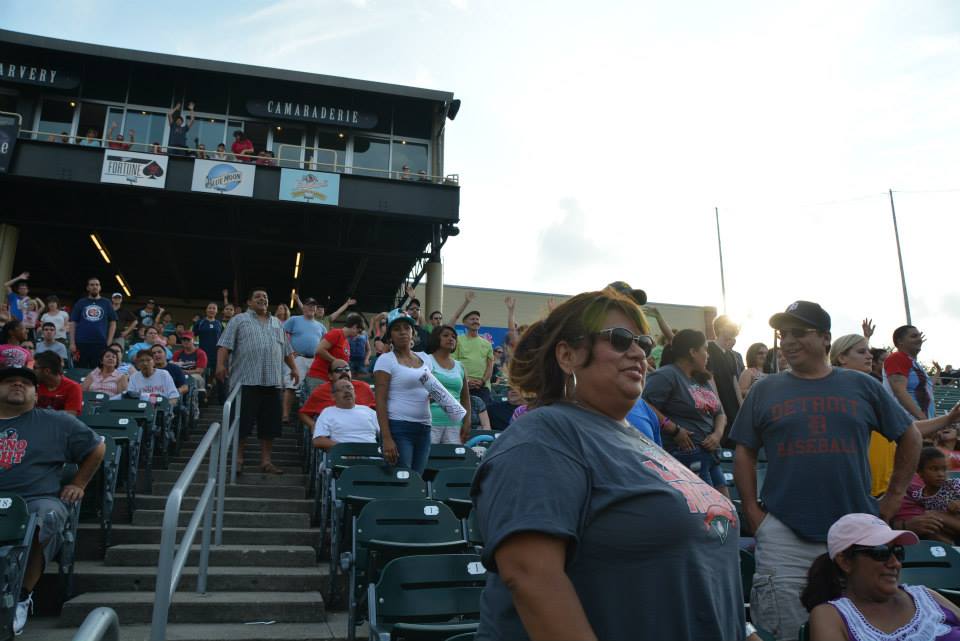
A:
<point x="145" y="128"/>
<point x="330" y="153"/>
<point x="288" y="145"/>
<point x="371" y="157"/>
<point x="410" y="161"/>
<point x="92" y="121"/>
<point x="208" y="132"/>
<point x="56" y="116"/>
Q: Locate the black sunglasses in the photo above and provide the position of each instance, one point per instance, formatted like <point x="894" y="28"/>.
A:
<point x="879" y="553"/>
<point x="620" y="339"/>
<point x="341" y="370"/>
<point x="795" y="332"/>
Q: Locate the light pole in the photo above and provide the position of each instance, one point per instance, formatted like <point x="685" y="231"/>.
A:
<point x="903" y="278"/>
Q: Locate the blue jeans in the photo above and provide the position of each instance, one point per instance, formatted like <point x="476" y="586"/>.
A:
<point x="413" y="444"/>
<point x="703" y="463"/>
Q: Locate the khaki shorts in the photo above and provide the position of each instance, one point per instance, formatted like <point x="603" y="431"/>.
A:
<point x="783" y="559"/>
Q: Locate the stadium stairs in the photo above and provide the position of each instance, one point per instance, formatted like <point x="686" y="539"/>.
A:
<point x="264" y="583"/>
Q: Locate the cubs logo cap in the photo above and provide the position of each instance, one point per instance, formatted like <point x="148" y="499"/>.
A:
<point x="10" y="368"/>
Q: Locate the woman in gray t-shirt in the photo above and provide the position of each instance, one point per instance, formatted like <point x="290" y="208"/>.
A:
<point x="592" y="531"/>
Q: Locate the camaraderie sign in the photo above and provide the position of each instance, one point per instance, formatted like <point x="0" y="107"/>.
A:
<point x="220" y="177"/>
<point x="134" y="168"/>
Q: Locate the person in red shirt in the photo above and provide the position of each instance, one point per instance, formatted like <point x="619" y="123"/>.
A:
<point x="335" y="345"/>
<point x="322" y="396"/>
<point x="191" y="359"/>
<point x="242" y="147"/>
<point x="55" y="391"/>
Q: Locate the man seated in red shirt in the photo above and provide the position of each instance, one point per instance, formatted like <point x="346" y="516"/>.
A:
<point x="191" y="359"/>
<point x="322" y="396"/>
<point x="55" y="391"/>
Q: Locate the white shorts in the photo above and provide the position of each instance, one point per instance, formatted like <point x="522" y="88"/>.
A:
<point x="440" y="435"/>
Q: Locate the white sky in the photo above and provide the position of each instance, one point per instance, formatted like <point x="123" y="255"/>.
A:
<point x="596" y="138"/>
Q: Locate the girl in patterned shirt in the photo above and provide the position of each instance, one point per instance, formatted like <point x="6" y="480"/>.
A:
<point x="939" y="493"/>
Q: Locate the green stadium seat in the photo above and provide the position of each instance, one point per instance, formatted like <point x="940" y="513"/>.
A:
<point x="76" y="374"/>
<point x="68" y="551"/>
<point x="17" y="528"/>
<point x="748" y="567"/>
<point x="471" y="530"/>
<point x="355" y="487"/>
<point x="452" y="486"/>
<point x="426" y="598"/>
<point x="934" y="565"/>
<point x="449" y="455"/>
<point x="146" y="415"/>
<point x="329" y="465"/>
<point x="391" y="528"/>
<point x="127" y="433"/>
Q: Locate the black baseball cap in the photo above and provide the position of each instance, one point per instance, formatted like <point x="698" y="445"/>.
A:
<point x="8" y="370"/>
<point x="310" y="301"/>
<point x="805" y="312"/>
<point x="638" y="295"/>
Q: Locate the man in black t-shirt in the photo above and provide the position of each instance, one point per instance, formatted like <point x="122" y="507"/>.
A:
<point x="724" y="365"/>
<point x="126" y="320"/>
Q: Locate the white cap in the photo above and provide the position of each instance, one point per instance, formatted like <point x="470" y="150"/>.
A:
<point x="864" y="529"/>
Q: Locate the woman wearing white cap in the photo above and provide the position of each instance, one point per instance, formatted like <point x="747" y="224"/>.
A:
<point x="854" y="592"/>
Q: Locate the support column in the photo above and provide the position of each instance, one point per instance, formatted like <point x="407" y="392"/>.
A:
<point x="434" y="295"/>
<point x="9" y="235"/>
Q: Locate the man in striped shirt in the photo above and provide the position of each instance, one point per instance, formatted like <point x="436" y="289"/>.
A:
<point x="256" y="346"/>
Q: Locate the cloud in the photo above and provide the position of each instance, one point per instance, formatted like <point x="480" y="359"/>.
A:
<point x="564" y="248"/>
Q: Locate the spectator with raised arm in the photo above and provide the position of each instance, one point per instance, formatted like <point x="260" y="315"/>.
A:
<point x="905" y="377"/>
<point x="335" y="345"/>
<point x="177" y="142"/>
<point x="414" y="311"/>
<point x="18" y="293"/>
<point x="118" y="141"/>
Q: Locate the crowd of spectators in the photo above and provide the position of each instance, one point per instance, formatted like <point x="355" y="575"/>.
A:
<point x="586" y="393"/>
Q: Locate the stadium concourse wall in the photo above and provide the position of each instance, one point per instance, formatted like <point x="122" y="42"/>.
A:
<point x="532" y="306"/>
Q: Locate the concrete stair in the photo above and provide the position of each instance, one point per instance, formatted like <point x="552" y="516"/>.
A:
<point x="266" y="571"/>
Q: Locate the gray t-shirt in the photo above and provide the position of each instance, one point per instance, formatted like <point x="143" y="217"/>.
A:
<point x="56" y="348"/>
<point x="689" y="404"/>
<point x="817" y="434"/>
<point x="651" y="548"/>
<point x="35" y="445"/>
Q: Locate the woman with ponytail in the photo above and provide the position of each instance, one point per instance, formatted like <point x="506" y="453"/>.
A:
<point x="581" y="513"/>
<point x="854" y="592"/>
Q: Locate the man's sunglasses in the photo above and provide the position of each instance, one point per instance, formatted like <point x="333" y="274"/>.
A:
<point x="879" y="553"/>
<point x="795" y="332"/>
<point x="340" y="370"/>
<point x="620" y="339"/>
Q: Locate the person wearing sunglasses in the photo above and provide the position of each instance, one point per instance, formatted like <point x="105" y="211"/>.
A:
<point x="853" y="591"/>
<point x="322" y="396"/>
<point x="682" y="391"/>
<point x="814" y="423"/>
<point x="581" y="513"/>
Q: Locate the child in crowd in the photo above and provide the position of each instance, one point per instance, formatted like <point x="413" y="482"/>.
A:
<point x="939" y="493"/>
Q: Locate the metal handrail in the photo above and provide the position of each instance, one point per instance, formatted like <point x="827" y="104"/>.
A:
<point x="229" y="442"/>
<point x="170" y="566"/>
<point x="15" y="115"/>
<point x="275" y="161"/>
<point x="102" y="624"/>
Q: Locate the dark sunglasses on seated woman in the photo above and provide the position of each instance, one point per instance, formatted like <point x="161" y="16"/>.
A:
<point x="879" y="553"/>
<point x="620" y="339"/>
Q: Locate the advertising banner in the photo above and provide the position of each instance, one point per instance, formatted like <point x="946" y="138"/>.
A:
<point x="8" y="140"/>
<point x="317" y="187"/>
<point x="222" y="177"/>
<point x="133" y="168"/>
